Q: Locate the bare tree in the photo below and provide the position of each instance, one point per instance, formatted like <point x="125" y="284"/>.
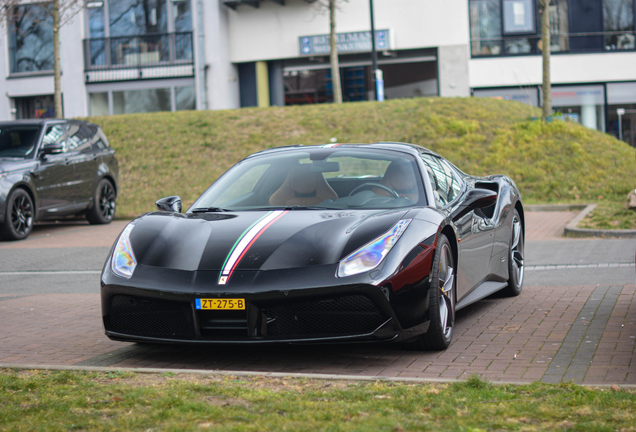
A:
<point x="61" y="12"/>
<point x="335" y="66"/>
<point x="332" y="6"/>
<point x="545" y="48"/>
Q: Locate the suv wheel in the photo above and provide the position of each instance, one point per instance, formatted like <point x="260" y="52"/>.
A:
<point x="103" y="211"/>
<point x="19" y="216"/>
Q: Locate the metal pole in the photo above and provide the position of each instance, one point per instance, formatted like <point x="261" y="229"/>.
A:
<point x="374" y="53"/>
<point x="621" y="113"/>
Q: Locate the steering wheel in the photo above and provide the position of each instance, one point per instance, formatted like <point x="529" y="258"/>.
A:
<point x="393" y="193"/>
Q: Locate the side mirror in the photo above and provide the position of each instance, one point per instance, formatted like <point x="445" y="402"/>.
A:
<point x="169" y="204"/>
<point x="53" y="148"/>
<point x="475" y="199"/>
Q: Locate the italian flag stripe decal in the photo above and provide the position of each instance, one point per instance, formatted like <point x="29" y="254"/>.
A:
<point x="245" y="242"/>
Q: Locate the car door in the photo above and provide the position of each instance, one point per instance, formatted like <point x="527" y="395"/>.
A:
<point x="83" y="157"/>
<point x="474" y="232"/>
<point x="54" y="177"/>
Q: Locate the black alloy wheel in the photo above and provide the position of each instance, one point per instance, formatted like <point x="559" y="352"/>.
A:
<point x="515" y="257"/>
<point x="19" y="216"/>
<point x="103" y="211"/>
<point x="441" y="300"/>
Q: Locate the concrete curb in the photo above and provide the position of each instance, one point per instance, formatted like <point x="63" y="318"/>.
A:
<point x="328" y="377"/>
<point x="571" y="230"/>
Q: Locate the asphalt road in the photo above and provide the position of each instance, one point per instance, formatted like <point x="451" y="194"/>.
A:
<point x="75" y="270"/>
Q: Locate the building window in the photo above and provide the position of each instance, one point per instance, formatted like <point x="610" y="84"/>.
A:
<point x="141" y="101"/>
<point x="485" y="27"/>
<point x="177" y="95"/>
<point x="99" y="104"/>
<point x="618" y="21"/>
<point x="137" y="17"/>
<point x="559" y="28"/>
<point x="31" y="38"/>
<point x="519" y="17"/>
<point x="185" y="98"/>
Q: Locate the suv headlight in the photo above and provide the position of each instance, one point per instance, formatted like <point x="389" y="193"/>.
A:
<point x="371" y="255"/>
<point x="124" y="262"/>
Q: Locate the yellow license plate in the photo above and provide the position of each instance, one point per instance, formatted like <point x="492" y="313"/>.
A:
<point x="220" y="304"/>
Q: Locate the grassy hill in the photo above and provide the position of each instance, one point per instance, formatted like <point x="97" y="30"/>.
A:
<point x="182" y="153"/>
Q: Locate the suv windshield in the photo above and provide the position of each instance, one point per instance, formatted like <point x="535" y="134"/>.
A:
<point x="18" y="141"/>
<point x="330" y="178"/>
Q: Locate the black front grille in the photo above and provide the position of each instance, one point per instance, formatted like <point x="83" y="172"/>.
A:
<point x="150" y="317"/>
<point x="350" y="315"/>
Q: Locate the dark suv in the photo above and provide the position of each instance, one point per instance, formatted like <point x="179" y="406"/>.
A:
<point x="50" y="169"/>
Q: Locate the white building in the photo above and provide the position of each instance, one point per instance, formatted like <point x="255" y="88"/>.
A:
<point x="122" y="56"/>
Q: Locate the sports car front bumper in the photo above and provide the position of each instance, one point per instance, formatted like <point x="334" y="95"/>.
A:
<point x="158" y="305"/>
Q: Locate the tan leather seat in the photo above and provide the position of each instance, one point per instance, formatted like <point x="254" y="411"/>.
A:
<point x="303" y="187"/>
<point x="399" y="176"/>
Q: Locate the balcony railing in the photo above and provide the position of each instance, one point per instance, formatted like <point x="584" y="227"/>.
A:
<point x="128" y="52"/>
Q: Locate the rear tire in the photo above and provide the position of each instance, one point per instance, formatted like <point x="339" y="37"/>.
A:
<point x="19" y="216"/>
<point x="441" y="309"/>
<point x="515" y="258"/>
<point x="103" y="210"/>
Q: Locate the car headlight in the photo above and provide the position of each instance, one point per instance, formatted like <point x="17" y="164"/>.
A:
<point x="371" y="255"/>
<point x="124" y="262"/>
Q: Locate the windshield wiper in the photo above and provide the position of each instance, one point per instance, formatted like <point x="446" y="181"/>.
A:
<point x="208" y="210"/>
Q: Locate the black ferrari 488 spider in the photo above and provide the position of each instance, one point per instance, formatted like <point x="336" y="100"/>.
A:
<point x="331" y="243"/>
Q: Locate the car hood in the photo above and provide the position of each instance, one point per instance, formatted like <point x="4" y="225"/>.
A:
<point x="14" y="164"/>
<point x="255" y="240"/>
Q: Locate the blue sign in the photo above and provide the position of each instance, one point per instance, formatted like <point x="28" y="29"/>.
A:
<point x="346" y="42"/>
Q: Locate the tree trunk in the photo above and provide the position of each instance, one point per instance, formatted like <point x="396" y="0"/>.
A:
<point x="335" y="67"/>
<point x="57" y="71"/>
<point x="545" y="48"/>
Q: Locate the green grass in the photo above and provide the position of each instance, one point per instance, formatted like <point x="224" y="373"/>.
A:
<point x="182" y="153"/>
<point x="72" y="400"/>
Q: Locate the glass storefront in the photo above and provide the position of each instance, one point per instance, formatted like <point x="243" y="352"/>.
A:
<point x="583" y="104"/>
<point x="621" y="98"/>
<point x="401" y="80"/>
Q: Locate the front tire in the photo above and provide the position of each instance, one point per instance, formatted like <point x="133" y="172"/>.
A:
<point x="103" y="211"/>
<point x="441" y="309"/>
<point x="19" y="216"/>
<point x="515" y="258"/>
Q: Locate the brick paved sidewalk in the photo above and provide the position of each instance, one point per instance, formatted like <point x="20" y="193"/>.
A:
<point x="560" y="333"/>
<point x="535" y="336"/>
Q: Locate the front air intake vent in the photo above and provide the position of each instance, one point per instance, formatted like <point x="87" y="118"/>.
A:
<point x="350" y="315"/>
<point x="149" y="317"/>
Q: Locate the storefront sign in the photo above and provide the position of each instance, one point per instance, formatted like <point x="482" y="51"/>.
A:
<point x="528" y="96"/>
<point x="347" y="42"/>
<point x="578" y="96"/>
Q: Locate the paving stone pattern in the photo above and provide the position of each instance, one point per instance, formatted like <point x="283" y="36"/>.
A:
<point x="500" y="339"/>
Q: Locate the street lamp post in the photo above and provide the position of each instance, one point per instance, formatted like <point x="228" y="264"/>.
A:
<point x="377" y="73"/>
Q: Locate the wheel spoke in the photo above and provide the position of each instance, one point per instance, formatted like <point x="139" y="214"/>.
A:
<point x="516" y="227"/>
<point x="448" y="283"/>
<point x="443" y="313"/>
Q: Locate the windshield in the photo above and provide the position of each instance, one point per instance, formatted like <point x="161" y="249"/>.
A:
<point x="18" y="141"/>
<point x="331" y="178"/>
